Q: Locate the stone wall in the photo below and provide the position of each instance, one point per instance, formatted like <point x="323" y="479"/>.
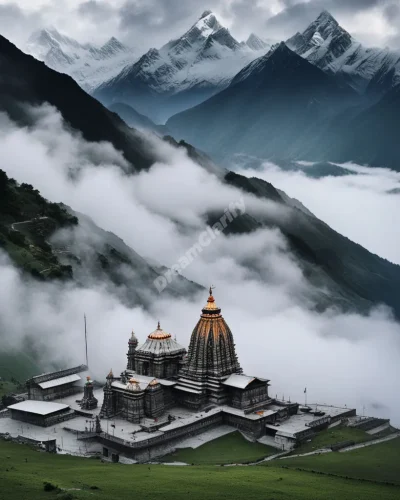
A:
<point x="159" y="445"/>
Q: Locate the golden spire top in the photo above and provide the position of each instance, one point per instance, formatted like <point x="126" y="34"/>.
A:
<point x="159" y="334"/>
<point x="111" y="375"/>
<point x="211" y="305"/>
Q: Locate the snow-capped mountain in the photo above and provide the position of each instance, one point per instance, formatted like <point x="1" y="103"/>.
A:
<point x="257" y="43"/>
<point x="327" y="45"/>
<point x="276" y="107"/>
<point x="184" y="72"/>
<point x="87" y="64"/>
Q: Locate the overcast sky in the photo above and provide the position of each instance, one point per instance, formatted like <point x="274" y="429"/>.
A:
<point x="150" y="23"/>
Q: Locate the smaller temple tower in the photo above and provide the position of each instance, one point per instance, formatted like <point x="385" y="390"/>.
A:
<point x="154" y="399"/>
<point x="132" y="345"/>
<point x="107" y="409"/>
<point x="89" y="402"/>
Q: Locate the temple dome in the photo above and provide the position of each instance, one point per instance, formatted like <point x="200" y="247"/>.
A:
<point x="212" y="348"/>
<point x="159" y="333"/>
<point x="133" y="385"/>
<point x="160" y="343"/>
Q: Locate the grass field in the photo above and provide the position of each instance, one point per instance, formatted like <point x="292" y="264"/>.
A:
<point x="24" y="471"/>
<point x="331" y="436"/>
<point x="379" y="462"/>
<point x="230" y="449"/>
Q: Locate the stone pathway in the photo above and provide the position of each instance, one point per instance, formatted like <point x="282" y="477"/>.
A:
<point x="370" y="443"/>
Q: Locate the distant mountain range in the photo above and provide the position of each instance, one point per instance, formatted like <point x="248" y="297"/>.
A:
<point x="319" y="97"/>
<point x="340" y="272"/>
<point x="184" y="72"/>
<point x="89" y="65"/>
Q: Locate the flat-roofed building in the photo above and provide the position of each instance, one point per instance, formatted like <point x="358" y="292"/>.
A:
<point x="40" y="413"/>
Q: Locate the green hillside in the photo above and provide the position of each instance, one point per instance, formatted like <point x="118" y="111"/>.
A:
<point x="23" y="473"/>
<point x="380" y="462"/>
<point x="26" y="221"/>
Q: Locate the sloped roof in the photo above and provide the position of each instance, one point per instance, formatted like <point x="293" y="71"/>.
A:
<point x="241" y="381"/>
<point x="59" y="381"/>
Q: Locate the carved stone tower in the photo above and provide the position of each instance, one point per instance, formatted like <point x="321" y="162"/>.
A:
<point x="108" y="407"/>
<point x="132" y="345"/>
<point x="89" y="402"/>
<point x="210" y="361"/>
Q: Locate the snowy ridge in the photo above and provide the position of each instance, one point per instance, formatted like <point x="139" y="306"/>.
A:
<point x="327" y="45"/>
<point x="205" y="56"/>
<point x="87" y="64"/>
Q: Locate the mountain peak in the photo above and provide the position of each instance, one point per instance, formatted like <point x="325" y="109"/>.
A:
<point x="114" y="45"/>
<point x="323" y="41"/>
<point x="256" y="43"/>
<point x="326" y="16"/>
<point x="205" y="14"/>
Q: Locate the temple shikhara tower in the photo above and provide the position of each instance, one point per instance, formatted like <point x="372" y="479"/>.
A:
<point x="161" y="374"/>
<point x="211" y="359"/>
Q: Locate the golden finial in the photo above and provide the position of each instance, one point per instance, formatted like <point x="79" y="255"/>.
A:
<point x="211" y="289"/>
<point x="158" y="326"/>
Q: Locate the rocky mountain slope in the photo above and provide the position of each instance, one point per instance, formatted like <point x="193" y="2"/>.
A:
<point x="183" y="72"/>
<point x="87" y="64"/>
<point x="278" y="105"/>
<point x="136" y="120"/>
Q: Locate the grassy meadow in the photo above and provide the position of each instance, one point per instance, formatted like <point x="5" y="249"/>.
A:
<point x="24" y="471"/>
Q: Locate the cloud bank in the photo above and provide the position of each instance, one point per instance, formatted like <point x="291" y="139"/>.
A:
<point x="341" y="358"/>
<point x="362" y="204"/>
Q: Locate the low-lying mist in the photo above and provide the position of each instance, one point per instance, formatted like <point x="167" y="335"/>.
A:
<point x="341" y="358"/>
<point x="363" y="203"/>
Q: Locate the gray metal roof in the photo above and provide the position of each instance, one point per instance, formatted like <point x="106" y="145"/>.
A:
<point x="241" y="381"/>
<point x="38" y="407"/>
<point x="59" y="381"/>
<point x="160" y="347"/>
<point x="44" y="377"/>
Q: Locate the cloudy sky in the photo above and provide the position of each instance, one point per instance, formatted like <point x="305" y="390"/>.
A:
<point x="150" y="23"/>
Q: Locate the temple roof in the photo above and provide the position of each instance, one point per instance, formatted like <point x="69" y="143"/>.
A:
<point x="241" y="381"/>
<point x="160" y="343"/>
<point x="159" y="333"/>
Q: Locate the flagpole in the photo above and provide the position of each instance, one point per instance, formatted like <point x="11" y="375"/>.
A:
<point x="86" y="349"/>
